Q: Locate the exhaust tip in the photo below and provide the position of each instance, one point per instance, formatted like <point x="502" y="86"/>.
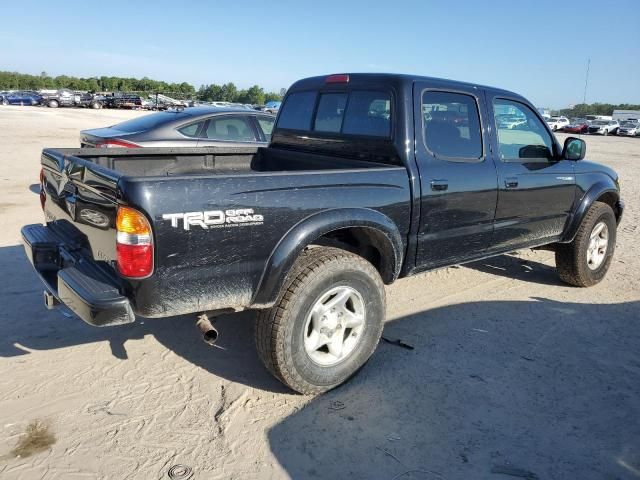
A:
<point x="209" y="332"/>
<point x="210" y="337"/>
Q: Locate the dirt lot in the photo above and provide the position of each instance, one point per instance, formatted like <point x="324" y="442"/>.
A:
<point x="512" y="371"/>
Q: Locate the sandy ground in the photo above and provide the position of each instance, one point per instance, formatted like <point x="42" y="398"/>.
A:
<point x="512" y="371"/>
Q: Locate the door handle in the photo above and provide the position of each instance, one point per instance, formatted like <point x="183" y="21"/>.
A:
<point x="439" y="185"/>
<point x="511" y="182"/>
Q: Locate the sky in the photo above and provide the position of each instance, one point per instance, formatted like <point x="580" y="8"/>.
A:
<point x="537" y="48"/>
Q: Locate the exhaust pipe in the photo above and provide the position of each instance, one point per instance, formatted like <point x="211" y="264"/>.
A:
<point x="209" y="332"/>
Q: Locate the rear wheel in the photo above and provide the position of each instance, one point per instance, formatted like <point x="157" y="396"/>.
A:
<point x="326" y="323"/>
<point x="53" y="104"/>
<point x="585" y="261"/>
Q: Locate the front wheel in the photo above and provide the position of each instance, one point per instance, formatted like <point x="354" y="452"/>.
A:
<point x="53" y="104"/>
<point x="326" y="323"/>
<point x="585" y="261"/>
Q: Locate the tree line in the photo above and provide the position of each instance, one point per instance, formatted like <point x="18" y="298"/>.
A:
<point x="220" y="93"/>
<point x="583" y="109"/>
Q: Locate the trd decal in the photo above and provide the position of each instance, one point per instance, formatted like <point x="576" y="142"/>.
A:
<point x="214" y="218"/>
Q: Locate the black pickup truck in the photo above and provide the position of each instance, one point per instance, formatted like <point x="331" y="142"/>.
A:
<point x="368" y="178"/>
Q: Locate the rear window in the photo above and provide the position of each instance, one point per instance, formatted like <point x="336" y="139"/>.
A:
<point x="297" y="111"/>
<point x="148" y="122"/>
<point x="353" y="113"/>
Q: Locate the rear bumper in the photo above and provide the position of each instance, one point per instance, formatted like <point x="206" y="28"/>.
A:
<point x="83" y="285"/>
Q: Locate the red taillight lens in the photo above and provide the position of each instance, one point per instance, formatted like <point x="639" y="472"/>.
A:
<point x="116" y="144"/>
<point x="134" y="244"/>
<point x="342" y="78"/>
<point x="135" y="261"/>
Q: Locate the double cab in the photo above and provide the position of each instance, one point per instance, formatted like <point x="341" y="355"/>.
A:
<point x="368" y="178"/>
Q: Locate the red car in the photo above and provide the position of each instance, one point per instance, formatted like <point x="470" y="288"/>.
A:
<point x="577" y="125"/>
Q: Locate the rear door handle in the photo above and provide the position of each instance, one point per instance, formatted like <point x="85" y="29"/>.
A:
<point x="439" y="185"/>
<point x="511" y="182"/>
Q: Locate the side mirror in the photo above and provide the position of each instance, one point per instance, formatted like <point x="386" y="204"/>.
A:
<point x="574" y="149"/>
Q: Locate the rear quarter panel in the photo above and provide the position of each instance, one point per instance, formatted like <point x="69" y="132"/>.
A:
<point x="220" y="267"/>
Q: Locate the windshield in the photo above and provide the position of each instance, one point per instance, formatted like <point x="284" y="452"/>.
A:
<point x="148" y="122"/>
<point x="577" y="121"/>
<point x="599" y="122"/>
<point x="628" y="124"/>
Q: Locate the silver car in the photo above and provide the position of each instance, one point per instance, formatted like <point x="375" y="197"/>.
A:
<point x="189" y="127"/>
<point x="629" y="128"/>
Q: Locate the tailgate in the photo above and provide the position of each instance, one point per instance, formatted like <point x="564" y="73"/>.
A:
<point x="83" y="196"/>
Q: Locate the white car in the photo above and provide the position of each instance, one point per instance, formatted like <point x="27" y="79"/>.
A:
<point x="557" y="123"/>
<point x="630" y="129"/>
<point x="604" y="127"/>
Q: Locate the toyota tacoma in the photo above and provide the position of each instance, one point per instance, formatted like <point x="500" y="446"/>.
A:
<point x="368" y="178"/>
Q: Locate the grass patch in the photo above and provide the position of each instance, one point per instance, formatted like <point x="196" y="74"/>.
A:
<point x="36" y="438"/>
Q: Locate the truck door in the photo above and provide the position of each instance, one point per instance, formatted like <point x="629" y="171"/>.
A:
<point x="536" y="188"/>
<point x="457" y="175"/>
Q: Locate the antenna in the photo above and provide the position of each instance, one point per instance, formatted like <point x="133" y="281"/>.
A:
<point x="586" y="82"/>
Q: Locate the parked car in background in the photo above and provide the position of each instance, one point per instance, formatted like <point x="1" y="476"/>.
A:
<point x="510" y="121"/>
<point x="272" y="106"/>
<point x="557" y="123"/>
<point x="577" y="125"/>
<point x="69" y="98"/>
<point x="629" y="129"/>
<point x="123" y="100"/>
<point x="189" y="127"/>
<point x="603" y="127"/>
<point x="20" y="98"/>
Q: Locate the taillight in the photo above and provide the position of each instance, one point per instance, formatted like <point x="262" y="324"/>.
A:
<point x="116" y="144"/>
<point x="134" y="243"/>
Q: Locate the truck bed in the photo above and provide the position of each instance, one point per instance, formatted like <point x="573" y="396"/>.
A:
<point x="152" y="162"/>
<point x="200" y="267"/>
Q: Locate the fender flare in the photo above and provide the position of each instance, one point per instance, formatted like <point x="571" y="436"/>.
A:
<point x="592" y="195"/>
<point x="305" y="232"/>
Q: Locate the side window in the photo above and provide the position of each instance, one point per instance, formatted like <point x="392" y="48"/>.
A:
<point x="297" y="110"/>
<point x="368" y="113"/>
<point x="266" y="125"/>
<point x="330" y="112"/>
<point x="451" y="125"/>
<point x="230" y="129"/>
<point x="190" y="130"/>
<point x="521" y="134"/>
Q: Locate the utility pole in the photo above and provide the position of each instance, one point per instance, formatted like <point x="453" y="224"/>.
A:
<point x="586" y="82"/>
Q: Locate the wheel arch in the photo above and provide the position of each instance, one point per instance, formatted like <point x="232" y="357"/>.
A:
<point x="602" y="191"/>
<point x="366" y="232"/>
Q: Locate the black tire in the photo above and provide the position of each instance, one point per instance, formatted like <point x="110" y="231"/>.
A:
<point x="53" y="104"/>
<point x="280" y="330"/>
<point x="571" y="258"/>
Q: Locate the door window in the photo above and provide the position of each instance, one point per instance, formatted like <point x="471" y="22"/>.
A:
<point x="451" y="125"/>
<point x="229" y="129"/>
<point x="266" y="125"/>
<point x="190" y="130"/>
<point x="521" y="134"/>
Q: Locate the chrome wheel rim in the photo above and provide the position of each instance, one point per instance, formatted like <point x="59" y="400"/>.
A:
<point x="334" y="326"/>
<point x="598" y="243"/>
